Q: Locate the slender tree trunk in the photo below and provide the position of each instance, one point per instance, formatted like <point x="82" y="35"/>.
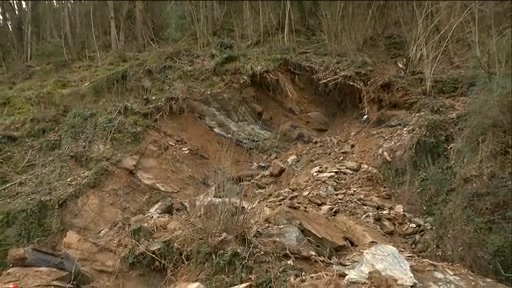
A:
<point x="112" y="19"/>
<point x="29" y="32"/>
<point x="35" y="23"/>
<point x="122" y="29"/>
<point x="248" y="19"/>
<point x="67" y="28"/>
<point x="3" y="14"/>
<point x="17" y="27"/>
<point x="48" y="16"/>
<point x="62" y="38"/>
<point x="94" y="35"/>
<point x="287" y="22"/>
<point x="51" y="19"/>
<point x="261" y="23"/>
<point x="139" y="20"/>
<point x="78" y="26"/>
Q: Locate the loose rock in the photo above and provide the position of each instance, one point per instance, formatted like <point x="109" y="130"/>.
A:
<point x="385" y="225"/>
<point x="152" y="182"/>
<point x="189" y="285"/>
<point x="245" y="285"/>
<point x="316" y="170"/>
<point x="353" y="166"/>
<point x="165" y="206"/>
<point x="346" y="148"/>
<point x="90" y="253"/>
<point x="327" y="210"/>
<point x="276" y="169"/>
<point x="291" y="236"/>
<point x="387" y="260"/>
<point x="399" y="209"/>
<point x="326" y="175"/>
<point x="129" y="163"/>
<point x="36" y="277"/>
<point x="319" y="121"/>
<point x="292" y="160"/>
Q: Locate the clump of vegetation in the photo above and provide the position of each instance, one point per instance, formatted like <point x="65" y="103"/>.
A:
<point x="24" y="226"/>
<point x="395" y="46"/>
<point x="460" y="174"/>
<point x="112" y="83"/>
<point x="221" y="266"/>
<point x="104" y="105"/>
<point x="48" y="128"/>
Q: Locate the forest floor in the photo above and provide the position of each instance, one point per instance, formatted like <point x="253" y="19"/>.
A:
<point x="227" y="168"/>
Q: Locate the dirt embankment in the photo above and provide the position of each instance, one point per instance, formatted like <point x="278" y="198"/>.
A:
<point x="271" y="182"/>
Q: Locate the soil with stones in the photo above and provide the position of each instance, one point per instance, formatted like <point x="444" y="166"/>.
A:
<point x="291" y="169"/>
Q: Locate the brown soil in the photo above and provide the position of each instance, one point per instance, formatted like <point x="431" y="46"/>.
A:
<point x="183" y="155"/>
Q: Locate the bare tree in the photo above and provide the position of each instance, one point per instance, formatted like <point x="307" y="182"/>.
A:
<point x="139" y="20"/>
<point x="94" y="35"/>
<point x="112" y="20"/>
<point x="67" y="27"/>
<point x="28" y="38"/>
<point x="16" y="26"/>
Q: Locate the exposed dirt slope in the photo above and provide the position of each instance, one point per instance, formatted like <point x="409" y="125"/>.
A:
<point x="288" y="146"/>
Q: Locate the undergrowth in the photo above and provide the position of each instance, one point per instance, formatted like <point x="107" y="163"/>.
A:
<point x="60" y="136"/>
<point x="24" y="226"/>
<point x="458" y="172"/>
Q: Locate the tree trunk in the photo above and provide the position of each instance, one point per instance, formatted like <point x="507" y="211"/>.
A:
<point x="78" y="25"/>
<point x="3" y="14"/>
<point x="28" y="39"/>
<point x="51" y="19"/>
<point x="36" y="29"/>
<point x="112" y="19"/>
<point x="94" y="35"/>
<point x="17" y="27"/>
<point x="122" y="29"/>
<point x="262" y="27"/>
<point x="139" y="20"/>
<point x="67" y="28"/>
<point x="287" y="22"/>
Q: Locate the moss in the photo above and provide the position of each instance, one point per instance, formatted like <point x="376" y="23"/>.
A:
<point x="141" y="233"/>
<point x="96" y="175"/>
<point x="447" y="86"/>
<point x="225" y="59"/>
<point x="227" y="268"/>
<point x="433" y="144"/>
<point x="23" y="226"/>
<point x="395" y="46"/>
<point x="16" y="104"/>
<point x="201" y="253"/>
<point x="273" y="278"/>
<point x="114" y="82"/>
<point x="159" y="256"/>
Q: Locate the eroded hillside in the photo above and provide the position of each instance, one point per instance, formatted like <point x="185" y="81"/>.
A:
<point x="172" y="167"/>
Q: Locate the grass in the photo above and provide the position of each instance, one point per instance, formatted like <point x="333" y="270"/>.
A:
<point x="458" y="172"/>
<point x="24" y="226"/>
<point x="87" y="126"/>
<point x="223" y="259"/>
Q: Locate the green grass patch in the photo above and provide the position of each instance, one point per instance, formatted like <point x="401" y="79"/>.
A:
<point x="21" y="227"/>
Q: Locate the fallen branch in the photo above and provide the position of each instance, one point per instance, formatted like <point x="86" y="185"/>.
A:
<point x="12" y="183"/>
<point x="501" y="270"/>
<point x="24" y="162"/>
<point x="13" y="136"/>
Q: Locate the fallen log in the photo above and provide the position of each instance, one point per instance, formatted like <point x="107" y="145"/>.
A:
<point x="39" y="257"/>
